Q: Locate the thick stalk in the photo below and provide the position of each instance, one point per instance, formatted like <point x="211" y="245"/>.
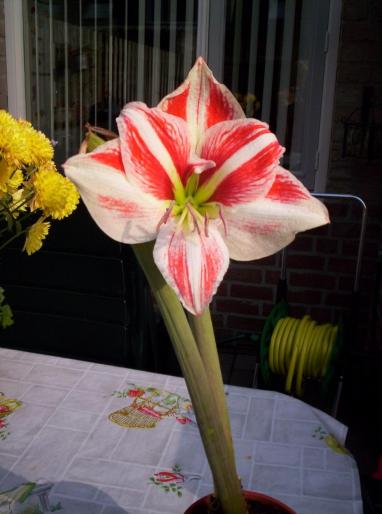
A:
<point x="218" y="448"/>
<point x="203" y="331"/>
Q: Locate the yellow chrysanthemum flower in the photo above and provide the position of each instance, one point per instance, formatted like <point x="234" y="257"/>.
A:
<point x="41" y="148"/>
<point x="5" y="172"/>
<point x="21" y="144"/>
<point x="15" y="180"/>
<point x="14" y="147"/>
<point x="55" y="195"/>
<point x="17" y="206"/>
<point x="29" y="181"/>
<point x="35" y="235"/>
<point x="48" y="166"/>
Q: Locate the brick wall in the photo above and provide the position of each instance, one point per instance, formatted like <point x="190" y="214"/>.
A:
<point x="321" y="267"/>
<point x="3" y="70"/>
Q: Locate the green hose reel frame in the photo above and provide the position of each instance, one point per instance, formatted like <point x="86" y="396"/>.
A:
<point x="279" y="311"/>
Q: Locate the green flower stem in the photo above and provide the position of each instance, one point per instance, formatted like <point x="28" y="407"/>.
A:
<point x="16" y="207"/>
<point x="22" y="202"/>
<point x="217" y="445"/>
<point x="4" y="207"/>
<point x="203" y="331"/>
<point x="12" y="239"/>
<point x="4" y="230"/>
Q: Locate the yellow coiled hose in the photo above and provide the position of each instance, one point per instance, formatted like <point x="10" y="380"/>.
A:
<point x="301" y="348"/>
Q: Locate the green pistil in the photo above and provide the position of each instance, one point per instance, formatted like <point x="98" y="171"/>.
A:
<point x="191" y="217"/>
<point x="192" y="185"/>
<point x="211" y="209"/>
<point x="190" y="213"/>
<point x="179" y="195"/>
<point x="206" y="190"/>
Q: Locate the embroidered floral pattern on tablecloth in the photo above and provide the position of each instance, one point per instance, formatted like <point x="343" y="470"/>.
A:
<point x="171" y="481"/>
<point x="7" y="407"/>
<point x="149" y="405"/>
<point x="330" y="441"/>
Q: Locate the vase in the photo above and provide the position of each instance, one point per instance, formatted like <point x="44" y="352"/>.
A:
<point x="260" y="503"/>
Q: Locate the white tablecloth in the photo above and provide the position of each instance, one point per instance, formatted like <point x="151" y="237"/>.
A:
<point x="67" y="443"/>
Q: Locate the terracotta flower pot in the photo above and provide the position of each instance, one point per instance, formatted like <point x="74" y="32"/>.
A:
<point x="260" y="503"/>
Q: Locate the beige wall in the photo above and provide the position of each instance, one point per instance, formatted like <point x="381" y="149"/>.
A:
<point x="3" y="70"/>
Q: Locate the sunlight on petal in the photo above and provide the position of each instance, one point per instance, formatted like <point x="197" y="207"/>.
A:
<point x="155" y="149"/>
<point x="263" y="227"/>
<point x="193" y="264"/>
<point x="202" y="101"/>
<point x="122" y="211"/>
<point x="245" y="153"/>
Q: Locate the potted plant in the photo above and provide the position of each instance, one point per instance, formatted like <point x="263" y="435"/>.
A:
<point x="190" y="184"/>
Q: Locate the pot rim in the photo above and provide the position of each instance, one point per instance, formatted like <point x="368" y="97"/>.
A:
<point x="249" y="495"/>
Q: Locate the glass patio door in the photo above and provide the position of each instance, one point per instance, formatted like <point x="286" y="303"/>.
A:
<point x="86" y="58"/>
<point x="273" y="58"/>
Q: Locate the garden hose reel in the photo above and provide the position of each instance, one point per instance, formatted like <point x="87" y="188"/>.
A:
<point x="297" y="349"/>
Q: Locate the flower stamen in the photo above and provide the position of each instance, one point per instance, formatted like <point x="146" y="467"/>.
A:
<point x="221" y="216"/>
<point x="181" y="219"/>
<point x="193" y="216"/>
<point x="206" y="222"/>
<point x="166" y="215"/>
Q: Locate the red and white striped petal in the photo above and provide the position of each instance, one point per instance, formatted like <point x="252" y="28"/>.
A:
<point x="192" y="264"/>
<point x="202" y="101"/>
<point x="155" y="149"/>
<point x="265" y="226"/>
<point x="245" y="153"/>
<point x="121" y="210"/>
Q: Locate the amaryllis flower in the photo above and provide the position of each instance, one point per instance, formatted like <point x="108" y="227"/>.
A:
<point x="201" y="180"/>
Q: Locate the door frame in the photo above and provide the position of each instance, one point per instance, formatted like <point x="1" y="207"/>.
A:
<point x="14" y="44"/>
<point x="328" y="95"/>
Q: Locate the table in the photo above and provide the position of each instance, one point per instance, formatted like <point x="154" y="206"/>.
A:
<point x="67" y="443"/>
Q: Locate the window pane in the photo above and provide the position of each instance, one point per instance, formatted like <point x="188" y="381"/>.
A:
<point x="274" y="63"/>
<point x="86" y="58"/>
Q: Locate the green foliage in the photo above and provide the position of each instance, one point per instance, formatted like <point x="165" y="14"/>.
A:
<point x="94" y="141"/>
<point x="6" y="316"/>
